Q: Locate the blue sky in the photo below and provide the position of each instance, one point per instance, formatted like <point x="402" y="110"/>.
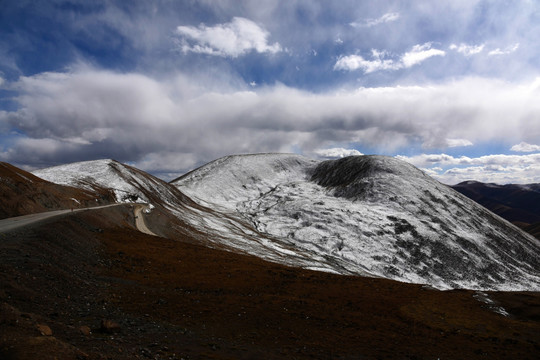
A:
<point x="450" y="86"/>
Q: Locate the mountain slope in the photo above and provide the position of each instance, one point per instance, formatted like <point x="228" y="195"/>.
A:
<point x="171" y="297"/>
<point x="514" y="202"/>
<point x="128" y="183"/>
<point x="175" y="214"/>
<point x="239" y="178"/>
<point x="24" y="193"/>
<point x="372" y="215"/>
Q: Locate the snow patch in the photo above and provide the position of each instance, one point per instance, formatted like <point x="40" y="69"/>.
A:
<point x="484" y="298"/>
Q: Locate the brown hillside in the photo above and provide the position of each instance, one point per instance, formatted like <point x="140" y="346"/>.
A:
<point x="23" y="193"/>
<point x="106" y="291"/>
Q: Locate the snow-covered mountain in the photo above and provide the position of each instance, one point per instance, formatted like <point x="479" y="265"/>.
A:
<point x="367" y="215"/>
<point x="129" y="184"/>
<point x="23" y="193"/>
<point x="218" y="228"/>
<point x="236" y="179"/>
<point x="370" y="215"/>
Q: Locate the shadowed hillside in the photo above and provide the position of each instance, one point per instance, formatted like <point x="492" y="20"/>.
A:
<point x="24" y="193"/>
<point x="519" y="204"/>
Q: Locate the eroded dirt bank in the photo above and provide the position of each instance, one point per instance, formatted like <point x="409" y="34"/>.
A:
<point x="105" y="290"/>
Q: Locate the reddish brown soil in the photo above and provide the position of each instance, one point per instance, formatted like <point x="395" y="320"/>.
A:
<point x="23" y="193"/>
<point x="172" y="300"/>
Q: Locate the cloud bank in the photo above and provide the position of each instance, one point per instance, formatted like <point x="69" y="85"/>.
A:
<point x="91" y="113"/>
<point x="168" y="85"/>
<point x="525" y="147"/>
<point x="500" y="168"/>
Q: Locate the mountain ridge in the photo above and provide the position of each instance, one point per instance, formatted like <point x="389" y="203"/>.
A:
<point x="391" y="211"/>
<point x="514" y="202"/>
<point x="175" y="214"/>
<point x="368" y="215"/>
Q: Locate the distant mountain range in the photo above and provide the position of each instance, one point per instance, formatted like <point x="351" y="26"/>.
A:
<point x="519" y="204"/>
<point x="366" y="215"/>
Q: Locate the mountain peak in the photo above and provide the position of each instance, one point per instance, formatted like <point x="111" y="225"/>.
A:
<point x="373" y="215"/>
<point x="351" y="169"/>
<point x="103" y="173"/>
<point x="235" y="178"/>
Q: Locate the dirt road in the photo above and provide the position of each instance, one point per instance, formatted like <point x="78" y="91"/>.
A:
<point x="139" y="219"/>
<point x="13" y="223"/>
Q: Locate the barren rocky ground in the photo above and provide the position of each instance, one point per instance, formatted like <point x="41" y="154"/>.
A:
<point x="89" y="286"/>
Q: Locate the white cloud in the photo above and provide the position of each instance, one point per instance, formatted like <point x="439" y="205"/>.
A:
<point x="500" y="168"/>
<point x="493" y="174"/>
<point x="418" y="54"/>
<point x="467" y="50"/>
<point x="505" y="51"/>
<point x="91" y="113"/>
<point x="335" y="153"/>
<point x="386" y="18"/>
<point x="425" y="160"/>
<point x="354" y="62"/>
<point x="525" y="147"/>
<point x="232" y="39"/>
<point x="458" y="142"/>
<point x="168" y="164"/>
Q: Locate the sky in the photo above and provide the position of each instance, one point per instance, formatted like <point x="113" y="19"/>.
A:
<point x="451" y="86"/>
